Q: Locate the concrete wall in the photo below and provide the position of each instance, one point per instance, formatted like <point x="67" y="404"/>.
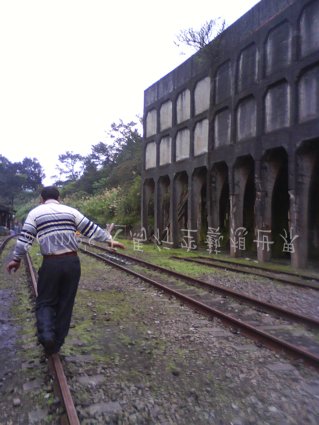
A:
<point x="254" y="97"/>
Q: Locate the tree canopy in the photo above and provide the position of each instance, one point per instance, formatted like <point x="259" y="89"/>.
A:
<point x="19" y="178"/>
<point x="105" y="184"/>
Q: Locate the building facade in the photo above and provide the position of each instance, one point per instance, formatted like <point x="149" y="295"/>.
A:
<point x="231" y="139"/>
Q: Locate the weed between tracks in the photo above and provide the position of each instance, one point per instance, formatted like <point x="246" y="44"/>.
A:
<point x="160" y="362"/>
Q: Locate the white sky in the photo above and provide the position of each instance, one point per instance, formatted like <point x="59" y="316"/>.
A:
<point x="69" y="68"/>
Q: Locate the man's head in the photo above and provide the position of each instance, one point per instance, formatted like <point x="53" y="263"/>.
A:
<point x="50" y="192"/>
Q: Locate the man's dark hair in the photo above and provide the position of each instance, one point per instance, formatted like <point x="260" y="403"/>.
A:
<point x="50" y="192"/>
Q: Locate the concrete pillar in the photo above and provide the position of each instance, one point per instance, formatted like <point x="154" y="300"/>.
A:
<point x="238" y="178"/>
<point x="173" y="213"/>
<point x="213" y="216"/>
<point x="263" y="209"/>
<point x="157" y="206"/>
<point x="191" y="222"/>
<point x="235" y="216"/>
<point x="299" y="209"/>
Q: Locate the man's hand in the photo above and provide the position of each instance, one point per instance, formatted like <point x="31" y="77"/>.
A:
<point x="115" y="244"/>
<point x="13" y="266"/>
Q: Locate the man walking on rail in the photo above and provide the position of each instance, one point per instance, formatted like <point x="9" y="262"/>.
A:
<point x="55" y="226"/>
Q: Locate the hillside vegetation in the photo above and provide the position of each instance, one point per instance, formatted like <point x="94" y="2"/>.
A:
<point x="104" y="185"/>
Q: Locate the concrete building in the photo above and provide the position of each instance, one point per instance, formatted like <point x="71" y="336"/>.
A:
<point x="231" y="139"/>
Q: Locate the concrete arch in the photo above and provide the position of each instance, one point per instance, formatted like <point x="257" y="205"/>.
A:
<point x="220" y="204"/>
<point x="180" y="206"/>
<point x="313" y="217"/>
<point x="305" y="201"/>
<point x="199" y="203"/>
<point x="274" y="177"/>
<point x="242" y="200"/>
<point x="163" y="216"/>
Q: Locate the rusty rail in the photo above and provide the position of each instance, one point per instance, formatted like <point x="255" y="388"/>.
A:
<point x="248" y="330"/>
<point x="55" y="363"/>
<point x="5" y="241"/>
<point x="230" y="292"/>
<point x="306" y="281"/>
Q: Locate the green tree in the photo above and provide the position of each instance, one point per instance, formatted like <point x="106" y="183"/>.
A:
<point x="19" y="179"/>
<point x="101" y="155"/>
<point x="32" y="173"/>
<point x="71" y="165"/>
<point x="109" y="187"/>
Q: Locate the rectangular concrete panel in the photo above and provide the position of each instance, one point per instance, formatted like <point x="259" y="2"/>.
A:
<point x="223" y="82"/>
<point x="247" y="67"/>
<point x="308" y="95"/>
<point x="202" y="95"/>
<point x="165" y="150"/>
<point x="277" y="107"/>
<point x="278" y="48"/>
<point x="201" y="137"/>
<point x="150" y="155"/>
<point x="151" y="123"/>
<point x="222" y="128"/>
<point x="183" y="106"/>
<point x="166" y="115"/>
<point x="246" y="119"/>
<point x="309" y="29"/>
<point x="182" y="144"/>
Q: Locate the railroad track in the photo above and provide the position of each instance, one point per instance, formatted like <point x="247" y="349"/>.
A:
<point x="55" y="364"/>
<point x="5" y="241"/>
<point x="298" y="278"/>
<point x="270" y="325"/>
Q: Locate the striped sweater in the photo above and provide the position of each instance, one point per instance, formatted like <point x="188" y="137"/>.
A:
<point x="54" y="226"/>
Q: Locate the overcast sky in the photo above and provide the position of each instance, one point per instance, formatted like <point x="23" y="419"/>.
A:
<point x="69" y="68"/>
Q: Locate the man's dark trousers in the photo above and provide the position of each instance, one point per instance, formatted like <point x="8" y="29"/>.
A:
<point x="58" y="280"/>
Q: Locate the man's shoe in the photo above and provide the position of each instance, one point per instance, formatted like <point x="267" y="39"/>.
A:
<point x="49" y="346"/>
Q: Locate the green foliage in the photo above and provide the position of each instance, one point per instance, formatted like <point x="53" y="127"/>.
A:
<point x="120" y="205"/>
<point x="70" y="165"/>
<point x="107" y="189"/>
<point x="24" y="208"/>
<point x="130" y="203"/>
<point x="18" y="180"/>
<point x="101" y="207"/>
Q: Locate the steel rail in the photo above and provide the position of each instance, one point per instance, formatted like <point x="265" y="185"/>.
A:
<point x="257" y="271"/>
<point x="297" y="273"/>
<point x="55" y="363"/>
<point x="249" y="330"/>
<point x="230" y="292"/>
<point x="5" y="241"/>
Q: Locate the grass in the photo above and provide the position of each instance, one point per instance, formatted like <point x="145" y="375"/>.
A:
<point x="161" y="256"/>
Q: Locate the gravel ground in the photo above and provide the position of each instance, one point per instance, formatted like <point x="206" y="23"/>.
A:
<point x="299" y="299"/>
<point x="137" y="357"/>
